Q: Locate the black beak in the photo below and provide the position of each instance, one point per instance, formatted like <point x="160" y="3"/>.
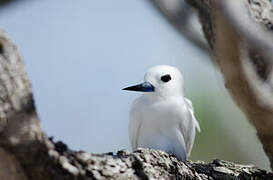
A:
<point x="144" y="87"/>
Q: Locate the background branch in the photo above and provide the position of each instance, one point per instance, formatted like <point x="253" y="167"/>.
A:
<point x="184" y="19"/>
<point x="240" y="36"/>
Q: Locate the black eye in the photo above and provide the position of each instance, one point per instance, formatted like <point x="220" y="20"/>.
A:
<point x="166" y="78"/>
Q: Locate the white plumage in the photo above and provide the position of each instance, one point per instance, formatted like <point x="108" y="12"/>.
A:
<point x="162" y="118"/>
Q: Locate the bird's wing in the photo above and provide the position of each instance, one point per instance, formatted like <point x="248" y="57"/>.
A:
<point x="180" y="148"/>
<point x="190" y="108"/>
<point x="188" y="127"/>
<point x="134" y="125"/>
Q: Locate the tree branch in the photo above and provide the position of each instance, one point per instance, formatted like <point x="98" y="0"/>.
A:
<point x="184" y="19"/>
<point x="240" y="36"/>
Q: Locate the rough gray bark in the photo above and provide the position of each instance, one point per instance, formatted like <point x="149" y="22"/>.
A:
<point x="27" y="153"/>
<point x="239" y="34"/>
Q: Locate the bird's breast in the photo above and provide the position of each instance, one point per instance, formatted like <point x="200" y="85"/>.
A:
<point x="162" y="113"/>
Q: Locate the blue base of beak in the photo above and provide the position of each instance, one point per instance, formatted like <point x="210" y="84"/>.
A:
<point x="143" y="87"/>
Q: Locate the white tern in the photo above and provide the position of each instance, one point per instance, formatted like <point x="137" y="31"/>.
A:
<point x="162" y="118"/>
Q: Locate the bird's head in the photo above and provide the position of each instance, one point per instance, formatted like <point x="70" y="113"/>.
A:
<point x="161" y="80"/>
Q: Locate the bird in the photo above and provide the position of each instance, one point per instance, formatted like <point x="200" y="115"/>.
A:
<point x="162" y="118"/>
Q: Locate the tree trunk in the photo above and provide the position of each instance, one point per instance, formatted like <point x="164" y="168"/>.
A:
<point x="27" y="153"/>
